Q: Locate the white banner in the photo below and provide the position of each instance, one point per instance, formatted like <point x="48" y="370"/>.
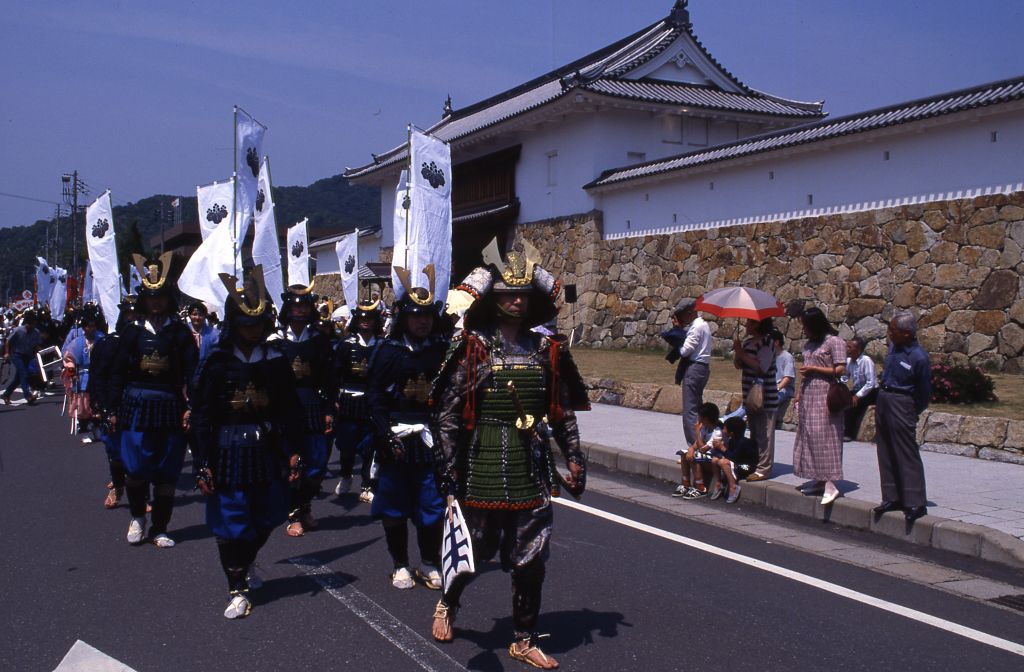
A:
<point x="88" y="291"/>
<point x="134" y="280"/>
<point x="248" y="157"/>
<point x="265" y="249"/>
<point x="44" y="282"/>
<point x="216" y="203"/>
<point x="102" y="246"/>
<point x="347" y="250"/>
<point x="216" y="255"/>
<point x="59" y="295"/>
<point x="429" y="238"/>
<point x="398" y="224"/>
<point x="298" y="255"/>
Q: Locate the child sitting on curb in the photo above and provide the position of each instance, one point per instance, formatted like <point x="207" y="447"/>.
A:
<point x="709" y="431"/>
<point x="736" y="458"/>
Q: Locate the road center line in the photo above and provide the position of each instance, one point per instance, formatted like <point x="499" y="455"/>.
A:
<point x="835" y="589"/>
<point x="423" y="652"/>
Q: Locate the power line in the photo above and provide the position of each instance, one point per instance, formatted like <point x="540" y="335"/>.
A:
<point x="28" y="198"/>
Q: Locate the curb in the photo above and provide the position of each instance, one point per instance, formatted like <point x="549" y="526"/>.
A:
<point x="967" y="539"/>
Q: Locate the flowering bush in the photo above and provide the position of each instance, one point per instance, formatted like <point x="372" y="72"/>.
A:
<point x="959" y="384"/>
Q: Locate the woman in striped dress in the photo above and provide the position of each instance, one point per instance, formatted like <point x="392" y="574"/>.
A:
<point x="818" y="452"/>
<point x="756" y="357"/>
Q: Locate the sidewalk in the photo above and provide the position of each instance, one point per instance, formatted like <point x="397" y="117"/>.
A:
<point x="975" y="507"/>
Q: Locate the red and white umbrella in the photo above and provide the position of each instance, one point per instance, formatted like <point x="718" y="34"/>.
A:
<point x="742" y="302"/>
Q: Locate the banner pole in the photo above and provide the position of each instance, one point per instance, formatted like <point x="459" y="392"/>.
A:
<point x="234" y="191"/>
<point x="408" y="184"/>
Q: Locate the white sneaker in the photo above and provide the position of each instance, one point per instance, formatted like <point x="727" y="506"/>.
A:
<point x="253" y="578"/>
<point x="163" y="541"/>
<point x="430" y="576"/>
<point x="366" y="496"/>
<point x="402" y="579"/>
<point x="239" y="607"/>
<point x="136" y="530"/>
<point x="344" y="485"/>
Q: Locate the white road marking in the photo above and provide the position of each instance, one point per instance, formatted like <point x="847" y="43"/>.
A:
<point x="422" y="651"/>
<point x="84" y="658"/>
<point x="835" y="589"/>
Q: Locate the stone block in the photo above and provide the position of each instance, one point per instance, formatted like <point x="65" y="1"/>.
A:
<point x="943" y="428"/>
<point x="979" y="431"/>
<point x="852" y="513"/>
<point x="950" y="449"/>
<point x="998" y="291"/>
<point x="597" y="454"/>
<point x="977" y="343"/>
<point x="961" y="321"/>
<point x="970" y="255"/>
<point x="962" y="538"/>
<point x="867" y="428"/>
<point x="932" y="338"/>
<point x="754" y="493"/>
<point x="633" y="463"/>
<point x="998" y="455"/>
<point x="894" y="525"/>
<point x="814" y="246"/>
<point x="1014" y="435"/>
<point x="988" y="235"/>
<point x="960" y="300"/>
<point x="952" y="276"/>
<point x="664" y="469"/>
<point x="669" y="399"/>
<point x="1002" y="548"/>
<point x="919" y="236"/>
<point x="989" y="321"/>
<point x="943" y="252"/>
<point x="906" y="295"/>
<point x="1011" y="340"/>
<point x="937" y="315"/>
<point x="859" y="308"/>
<point x="641" y="395"/>
<point x="1011" y="213"/>
<point x="870" y="328"/>
<point x="930" y="296"/>
<point x="871" y="287"/>
<point x="785" y="498"/>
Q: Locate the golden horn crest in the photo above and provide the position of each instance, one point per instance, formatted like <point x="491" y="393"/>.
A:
<point x="153" y="276"/>
<point x="252" y="298"/>
<point x="303" y="292"/>
<point x="517" y="269"/>
<point x="403" y="277"/>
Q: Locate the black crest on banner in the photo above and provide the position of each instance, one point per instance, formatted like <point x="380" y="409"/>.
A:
<point x="100" y="228"/>
<point x="216" y="213"/>
<point x="431" y="173"/>
<point x="260" y="198"/>
<point x="350" y="264"/>
<point x="297" y="249"/>
<point x="406" y="201"/>
<point x="253" y="161"/>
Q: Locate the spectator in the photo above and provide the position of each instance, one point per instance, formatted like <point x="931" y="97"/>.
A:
<point x="692" y="348"/>
<point x="756" y="357"/>
<point x="20" y="348"/>
<point x="861" y="372"/>
<point x="736" y="457"/>
<point x="785" y="375"/>
<point x="708" y="430"/>
<point x="818" y="451"/>
<point x="905" y="393"/>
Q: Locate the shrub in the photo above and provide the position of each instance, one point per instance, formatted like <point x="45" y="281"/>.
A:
<point x="961" y="384"/>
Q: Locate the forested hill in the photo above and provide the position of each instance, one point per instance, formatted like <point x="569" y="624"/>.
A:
<point x="331" y="203"/>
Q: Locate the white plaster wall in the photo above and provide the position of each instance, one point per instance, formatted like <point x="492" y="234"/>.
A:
<point x="327" y="260"/>
<point x="954" y="156"/>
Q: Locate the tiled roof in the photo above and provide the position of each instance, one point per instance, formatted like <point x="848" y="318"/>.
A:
<point x="600" y="72"/>
<point x="916" y="110"/>
<point x="692" y="95"/>
<point x="330" y="240"/>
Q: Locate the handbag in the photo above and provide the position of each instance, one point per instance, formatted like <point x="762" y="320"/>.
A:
<point x="839" y="397"/>
<point x="755" y="398"/>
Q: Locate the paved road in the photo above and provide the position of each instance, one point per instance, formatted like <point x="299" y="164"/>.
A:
<point x="617" y="598"/>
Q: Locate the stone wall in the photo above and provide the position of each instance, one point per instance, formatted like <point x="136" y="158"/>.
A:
<point x="957" y="264"/>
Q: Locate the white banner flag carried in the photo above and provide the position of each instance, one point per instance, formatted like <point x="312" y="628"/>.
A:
<point x="216" y="204"/>
<point x="347" y="250"/>
<point x="44" y="282"/>
<point x="248" y="156"/>
<point x="88" y="293"/>
<point x="399" y="222"/>
<point x="216" y="255"/>
<point x="59" y="295"/>
<point x="298" y="255"/>
<point x="429" y="239"/>
<point x="265" y="249"/>
<point x="101" y="243"/>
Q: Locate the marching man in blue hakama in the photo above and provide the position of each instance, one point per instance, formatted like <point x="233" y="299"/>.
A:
<point x="244" y="398"/>
<point x="155" y="364"/>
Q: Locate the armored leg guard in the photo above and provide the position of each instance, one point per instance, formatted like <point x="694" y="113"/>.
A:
<point x="429" y="540"/>
<point x="138" y="493"/>
<point x="396" y="532"/>
<point x="527" y="582"/>
<point x="163" y="505"/>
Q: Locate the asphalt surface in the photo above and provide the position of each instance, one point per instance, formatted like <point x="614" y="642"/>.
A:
<point x="615" y="598"/>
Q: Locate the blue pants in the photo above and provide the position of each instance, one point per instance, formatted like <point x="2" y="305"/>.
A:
<point x="22" y="365"/>
<point x="314" y="450"/>
<point x="155" y="456"/>
<point x="408" y="491"/>
<point x="242" y="513"/>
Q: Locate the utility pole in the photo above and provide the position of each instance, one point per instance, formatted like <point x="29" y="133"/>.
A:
<point x="72" y="187"/>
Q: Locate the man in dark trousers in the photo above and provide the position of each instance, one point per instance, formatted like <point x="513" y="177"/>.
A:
<point x="906" y="389"/>
<point x="690" y="339"/>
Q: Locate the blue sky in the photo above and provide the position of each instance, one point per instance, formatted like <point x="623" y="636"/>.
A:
<point x="137" y="96"/>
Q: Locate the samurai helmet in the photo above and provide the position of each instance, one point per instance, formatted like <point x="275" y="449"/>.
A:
<point x="296" y="295"/>
<point x="517" y="272"/>
<point x="154" y="273"/>
<point x="248" y="304"/>
<point x="418" y="299"/>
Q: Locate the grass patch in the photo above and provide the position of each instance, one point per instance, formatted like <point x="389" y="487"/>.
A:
<point x="649" y="366"/>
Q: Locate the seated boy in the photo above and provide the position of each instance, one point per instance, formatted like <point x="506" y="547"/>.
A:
<point x="697" y="456"/>
<point x="736" y="457"/>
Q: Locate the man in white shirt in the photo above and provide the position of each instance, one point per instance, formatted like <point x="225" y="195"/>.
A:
<point x="694" y="355"/>
<point x="864" y="383"/>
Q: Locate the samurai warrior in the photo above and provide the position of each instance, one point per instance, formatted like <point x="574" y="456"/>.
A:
<point x="504" y="390"/>
<point x="155" y="363"/>
<point x="400" y="376"/>
<point x="353" y="431"/>
<point x="244" y="398"/>
<point x="309" y="354"/>
<point x="104" y="404"/>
